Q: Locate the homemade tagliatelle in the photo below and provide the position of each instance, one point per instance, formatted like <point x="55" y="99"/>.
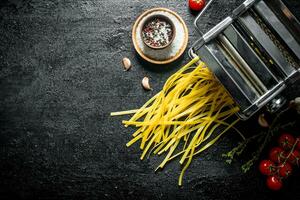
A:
<point x="180" y="120"/>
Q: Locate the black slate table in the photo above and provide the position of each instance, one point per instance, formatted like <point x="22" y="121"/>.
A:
<point x="61" y="76"/>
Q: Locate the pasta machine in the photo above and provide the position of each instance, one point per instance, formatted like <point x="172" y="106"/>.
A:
<point x="254" y="53"/>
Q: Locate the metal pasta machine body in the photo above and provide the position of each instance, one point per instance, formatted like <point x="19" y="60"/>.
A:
<point x="254" y="53"/>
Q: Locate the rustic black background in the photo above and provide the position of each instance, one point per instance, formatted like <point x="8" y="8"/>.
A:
<point x="61" y="76"/>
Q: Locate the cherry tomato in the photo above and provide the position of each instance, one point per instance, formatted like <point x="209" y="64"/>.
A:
<point x="298" y="143"/>
<point x="286" y="141"/>
<point x="294" y="158"/>
<point x="196" y="5"/>
<point x="285" y="170"/>
<point x="277" y="155"/>
<point x="274" y="183"/>
<point x="267" y="167"/>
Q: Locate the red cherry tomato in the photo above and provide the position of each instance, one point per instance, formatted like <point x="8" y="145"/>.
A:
<point x="294" y="158"/>
<point x="266" y="167"/>
<point x="196" y="5"/>
<point x="277" y="155"/>
<point x="274" y="183"/>
<point x="285" y="170"/>
<point x="286" y="141"/>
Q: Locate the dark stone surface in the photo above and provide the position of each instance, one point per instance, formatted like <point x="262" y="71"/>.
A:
<point x="60" y="78"/>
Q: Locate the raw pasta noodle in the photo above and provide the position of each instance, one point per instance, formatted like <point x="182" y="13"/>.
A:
<point x="182" y="119"/>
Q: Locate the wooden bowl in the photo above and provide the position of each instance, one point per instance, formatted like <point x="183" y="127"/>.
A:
<point x="140" y="46"/>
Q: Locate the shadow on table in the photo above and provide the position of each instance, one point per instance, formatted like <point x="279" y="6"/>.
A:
<point x="161" y="68"/>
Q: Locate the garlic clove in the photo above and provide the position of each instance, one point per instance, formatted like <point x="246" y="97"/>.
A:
<point x="262" y="121"/>
<point x="297" y="104"/>
<point x="297" y="100"/>
<point x="126" y="64"/>
<point x="146" y="84"/>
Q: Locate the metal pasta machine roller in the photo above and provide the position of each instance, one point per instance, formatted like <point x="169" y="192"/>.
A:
<point x="254" y="53"/>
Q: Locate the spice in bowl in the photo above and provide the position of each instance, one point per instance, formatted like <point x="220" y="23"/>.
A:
<point x="158" y="32"/>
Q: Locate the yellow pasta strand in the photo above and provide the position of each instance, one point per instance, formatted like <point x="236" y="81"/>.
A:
<point x="182" y="118"/>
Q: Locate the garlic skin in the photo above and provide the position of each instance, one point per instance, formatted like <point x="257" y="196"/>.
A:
<point x="262" y="121"/>
<point x="146" y="84"/>
<point x="126" y="64"/>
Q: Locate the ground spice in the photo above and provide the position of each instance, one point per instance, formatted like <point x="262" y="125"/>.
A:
<point x="157" y="32"/>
